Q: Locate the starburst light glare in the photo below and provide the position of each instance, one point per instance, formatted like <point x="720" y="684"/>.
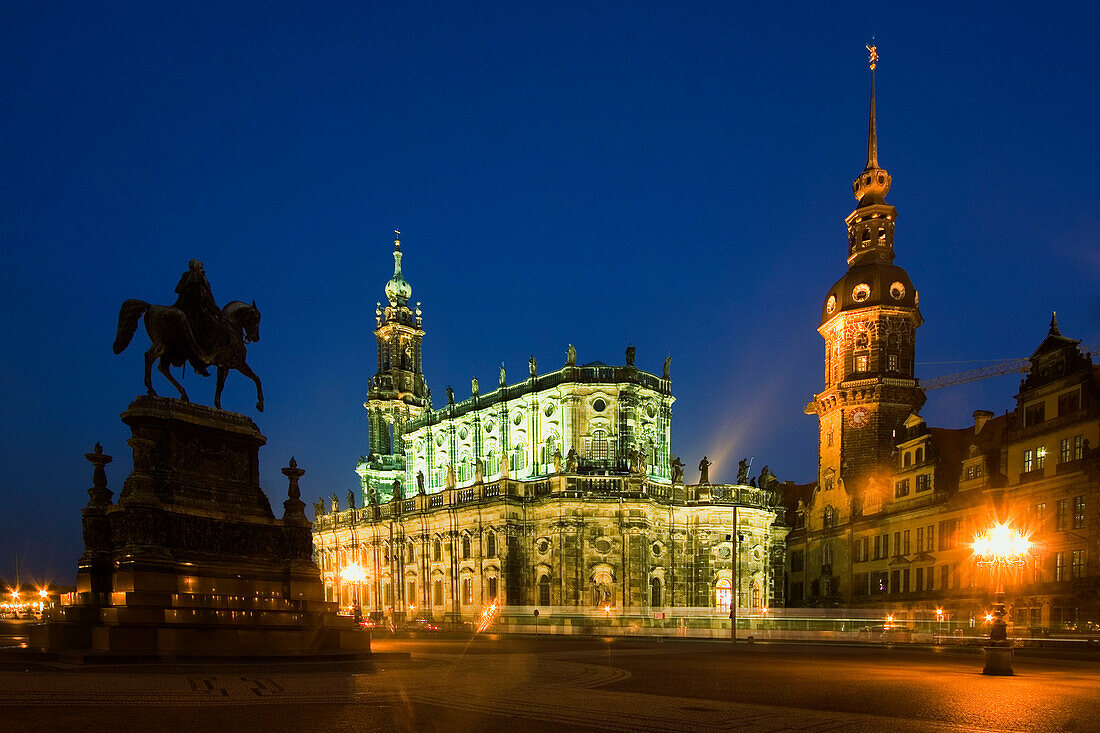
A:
<point x="353" y="573"/>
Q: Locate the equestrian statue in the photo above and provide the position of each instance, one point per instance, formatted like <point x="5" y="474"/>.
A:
<point x="193" y="331"/>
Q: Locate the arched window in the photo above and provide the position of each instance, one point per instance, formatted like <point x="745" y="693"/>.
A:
<point x="655" y="592"/>
<point x="920" y="455"/>
<point x="552" y="445"/>
<point x="723" y="594"/>
<point x="544" y="590"/>
<point x="465" y="467"/>
<point x="491" y="544"/>
<point x="908" y="460"/>
<point x="493" y="588"/>
<point x="410" y="553"/>
<point x="437" y="550"/>
<point x="862" y="341"/>
<point x="437" y="593"/>
<point x="598" y="447"/>
<point x="466" y="547"/>
<point x="518" y="460"/>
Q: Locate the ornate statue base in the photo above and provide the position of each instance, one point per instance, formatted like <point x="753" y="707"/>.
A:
<point x="191" y="561"/>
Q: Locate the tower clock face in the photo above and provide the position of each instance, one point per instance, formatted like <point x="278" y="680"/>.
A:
<point x="859" y="417"/>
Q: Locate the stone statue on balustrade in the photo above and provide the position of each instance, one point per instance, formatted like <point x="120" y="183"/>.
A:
<point x="335" y="504"/>
<point x="676" y="467"/>
<point x="571" y="356"/>
<point x="479" y="471"/>
<point x="351" y="499"/>
<point x="319" y="508"/>
<point x="630" y="352"/>
<point x="532" y="365"/>
<point x="704" y="470"/>
<point x="398" y="491"/>
<point x="571" y="461"/>
<point x="451" y="481"/>
<point x="420" y="483"/>
<point x="668" y="368"/>
<point x="743" y="471"/>
<point x="504" y="465"/>
<point x="557" y="460"/>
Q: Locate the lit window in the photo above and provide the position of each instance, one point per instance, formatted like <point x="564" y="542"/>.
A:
<point x="467" y="591"/>
<point x="901" y="488"/>
<point x="723" y="595"/>
<point x="1078" y="564"/>
<point x="1078" y="512"/>
<point x="861" y="363"/>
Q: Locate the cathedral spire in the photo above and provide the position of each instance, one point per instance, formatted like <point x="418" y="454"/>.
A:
<point x="398" y="290"/>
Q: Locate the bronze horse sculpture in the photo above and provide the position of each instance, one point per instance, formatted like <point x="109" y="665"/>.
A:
<point x="174" y="342"/>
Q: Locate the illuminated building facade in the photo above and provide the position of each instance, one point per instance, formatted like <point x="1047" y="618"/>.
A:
<point x="557" y="492"/>
<point x="896" y="504"/>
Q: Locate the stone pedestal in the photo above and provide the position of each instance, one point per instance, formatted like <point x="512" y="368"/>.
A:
<point x="998" y="660"/>
<point x="191" y="560"/>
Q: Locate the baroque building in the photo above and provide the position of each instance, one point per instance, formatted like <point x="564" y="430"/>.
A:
<point x="890" y="519"/>
<point x="557" y="492"/>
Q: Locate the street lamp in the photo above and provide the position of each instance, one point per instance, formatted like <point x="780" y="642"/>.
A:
<point x="1000" y="548"/>
<point x="355" y="574"/>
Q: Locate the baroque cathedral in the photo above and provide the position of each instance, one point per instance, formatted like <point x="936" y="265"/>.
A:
<point x="556" y="493"/>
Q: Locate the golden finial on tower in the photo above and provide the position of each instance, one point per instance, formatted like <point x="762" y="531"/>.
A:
<point x="397" y="239"/>
<point x="872" y="49"/>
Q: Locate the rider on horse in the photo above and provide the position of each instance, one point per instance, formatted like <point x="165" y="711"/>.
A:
<point x="203" y="314"/>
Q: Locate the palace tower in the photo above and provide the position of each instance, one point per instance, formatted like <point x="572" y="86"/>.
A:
<point x="868" y="321"/>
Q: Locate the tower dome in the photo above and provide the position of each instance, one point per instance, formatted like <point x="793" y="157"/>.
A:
<point x="398" y="290"/>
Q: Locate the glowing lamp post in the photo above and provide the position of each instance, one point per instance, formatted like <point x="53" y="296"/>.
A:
<point x="999" y="549"/>
<point x="355" y="574"/>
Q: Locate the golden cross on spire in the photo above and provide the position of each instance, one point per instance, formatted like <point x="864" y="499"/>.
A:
<point x="397" y="238"/>
<point x="872" y="49"/>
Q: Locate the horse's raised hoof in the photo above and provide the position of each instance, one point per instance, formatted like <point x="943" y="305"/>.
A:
<point x="260" y="405"/>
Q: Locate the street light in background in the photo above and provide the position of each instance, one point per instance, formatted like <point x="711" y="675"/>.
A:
<point x="355" y="574"/>
<point x="1000" y="548"/>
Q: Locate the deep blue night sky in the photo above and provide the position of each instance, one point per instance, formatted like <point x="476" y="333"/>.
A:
<point x="672" y="174"/>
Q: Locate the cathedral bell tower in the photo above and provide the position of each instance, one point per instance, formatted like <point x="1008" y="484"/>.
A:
<point x="397" y="392"/>
<point x="868" y="320"/>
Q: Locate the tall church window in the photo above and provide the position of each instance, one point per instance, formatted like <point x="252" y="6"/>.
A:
<point x="437" y="550"/>
<point x="598" y="446"/>
<point x="544" y="590"/>
<point x="466" y="547"/>
<point x="467" y="591"/>
<point x="518" y="460"/>
<point x="723" y="595"/>
<point x="465" y="467"/>
<point x="491" y="544"/>
<point x="493" y="588"/>
<point x="552" y="445"/>
<point x="655" y="592"/>
<point x="437" y="593"/>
